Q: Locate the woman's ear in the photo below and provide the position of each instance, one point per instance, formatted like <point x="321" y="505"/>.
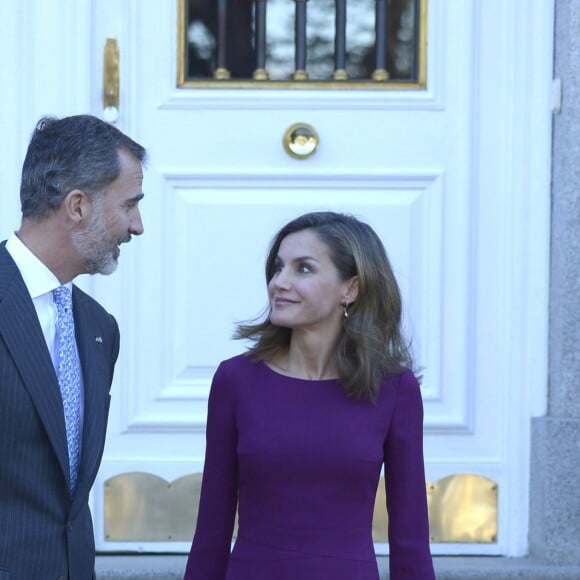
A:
<point x="352" y="290"/>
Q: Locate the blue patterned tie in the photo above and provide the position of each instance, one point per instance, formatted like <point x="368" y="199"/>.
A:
<point x="68" y="370"/>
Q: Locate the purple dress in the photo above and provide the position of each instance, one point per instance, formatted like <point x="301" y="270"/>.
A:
<point x="302" y="462"/>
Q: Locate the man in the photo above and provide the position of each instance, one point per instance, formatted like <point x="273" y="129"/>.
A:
<point x="81" y="186"/>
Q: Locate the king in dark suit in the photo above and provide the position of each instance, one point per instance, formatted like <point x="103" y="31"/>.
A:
<point x="81" y="186"/>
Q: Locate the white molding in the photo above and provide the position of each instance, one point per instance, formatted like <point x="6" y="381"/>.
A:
<point x="293" y="99"/>
<point x="172" y="97"/>
<point x="267" y="178"/>
<point x="512" y="126"/>
<point x="530" y="230"/>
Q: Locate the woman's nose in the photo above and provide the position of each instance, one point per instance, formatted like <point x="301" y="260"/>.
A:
<point x="281" y="279"/>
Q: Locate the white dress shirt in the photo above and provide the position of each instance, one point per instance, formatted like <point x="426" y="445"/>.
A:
<point x="40" y="282"/>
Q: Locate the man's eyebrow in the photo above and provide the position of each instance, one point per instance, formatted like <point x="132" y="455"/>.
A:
<point x="135" y="198"/>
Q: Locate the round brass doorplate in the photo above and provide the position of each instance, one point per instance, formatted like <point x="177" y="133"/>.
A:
<point x="300" y="140"/>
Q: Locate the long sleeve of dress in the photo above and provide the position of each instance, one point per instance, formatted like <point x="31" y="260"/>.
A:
<point x="410" y="557"/>
<point x="210" y="549"/>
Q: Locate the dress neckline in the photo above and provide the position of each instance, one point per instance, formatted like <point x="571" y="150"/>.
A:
<point x="273" y="371"/>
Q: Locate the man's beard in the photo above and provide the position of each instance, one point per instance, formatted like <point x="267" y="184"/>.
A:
<point x="94" y="243"/>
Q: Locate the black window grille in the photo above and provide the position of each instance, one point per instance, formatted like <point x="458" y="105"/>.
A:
<point x="370" y="43"/>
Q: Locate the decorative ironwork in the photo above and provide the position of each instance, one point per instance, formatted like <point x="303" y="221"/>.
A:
<point x="340" y="72"/>
<point x="322" y="44"/>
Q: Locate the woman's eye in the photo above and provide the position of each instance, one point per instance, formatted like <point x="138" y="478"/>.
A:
<point x="304" y="268"/>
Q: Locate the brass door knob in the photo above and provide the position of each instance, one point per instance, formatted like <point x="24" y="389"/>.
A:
<point x="300" y="140"/>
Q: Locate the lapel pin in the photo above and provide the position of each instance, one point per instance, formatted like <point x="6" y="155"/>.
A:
<point x="98" y="339"/>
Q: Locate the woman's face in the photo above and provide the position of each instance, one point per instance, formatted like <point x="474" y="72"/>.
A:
<point x="306" y="291"/>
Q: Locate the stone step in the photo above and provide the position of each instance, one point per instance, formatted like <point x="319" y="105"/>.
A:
<point x="162" y="567"/>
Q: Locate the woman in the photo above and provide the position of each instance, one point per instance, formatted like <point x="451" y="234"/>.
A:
<point x="300" y="426"/>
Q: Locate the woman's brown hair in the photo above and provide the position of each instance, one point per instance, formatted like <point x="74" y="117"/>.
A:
<point x="372" y="345"/>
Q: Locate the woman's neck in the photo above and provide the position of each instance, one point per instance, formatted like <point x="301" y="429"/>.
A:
<point x="307" y="358"/>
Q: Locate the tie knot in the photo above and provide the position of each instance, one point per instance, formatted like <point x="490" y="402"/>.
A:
<point x="62" y="297"/>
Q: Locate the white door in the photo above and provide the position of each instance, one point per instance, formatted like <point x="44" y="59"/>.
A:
<point x="453" y="176"/>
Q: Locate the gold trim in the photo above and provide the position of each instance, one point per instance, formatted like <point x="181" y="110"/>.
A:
<point x="300" y="75"/>
<point x="380" y="75"/>
<point x="111" y="75"/>
<point x="380" y="517"/>
<point x="181" y="43"/>
<point x="463" y="509"/>
<point x="392" y="85"/>
<point x="340" y="74"/>
<point x="143" y="507"/>
<point x="260" y="74"/>
<point x="221" y="74"/>
<point x="423" y="23"/>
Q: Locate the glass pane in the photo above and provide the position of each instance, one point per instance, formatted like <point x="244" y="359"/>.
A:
<point x="202" y="31"/>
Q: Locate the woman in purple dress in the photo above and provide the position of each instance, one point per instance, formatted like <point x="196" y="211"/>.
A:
<point x="300" y="426"/>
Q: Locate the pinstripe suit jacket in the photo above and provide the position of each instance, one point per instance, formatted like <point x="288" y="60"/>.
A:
<point x="44" y="533"/>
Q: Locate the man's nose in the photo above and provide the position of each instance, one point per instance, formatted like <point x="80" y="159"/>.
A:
<point x="136" y="226"/>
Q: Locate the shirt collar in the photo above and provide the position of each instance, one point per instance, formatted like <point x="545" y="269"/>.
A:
<point x="38" y="278"/>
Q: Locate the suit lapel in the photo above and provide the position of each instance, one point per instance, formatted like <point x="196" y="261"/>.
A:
<point x="95" y="376"/>
<point x="21" y="332"/>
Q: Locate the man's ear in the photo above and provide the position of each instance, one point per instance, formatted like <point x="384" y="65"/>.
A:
<point x="77" y="206"/>
<point x="352" y="290"/>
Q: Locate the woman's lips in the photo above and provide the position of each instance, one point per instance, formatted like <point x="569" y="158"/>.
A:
<point x="283" y="301"/>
